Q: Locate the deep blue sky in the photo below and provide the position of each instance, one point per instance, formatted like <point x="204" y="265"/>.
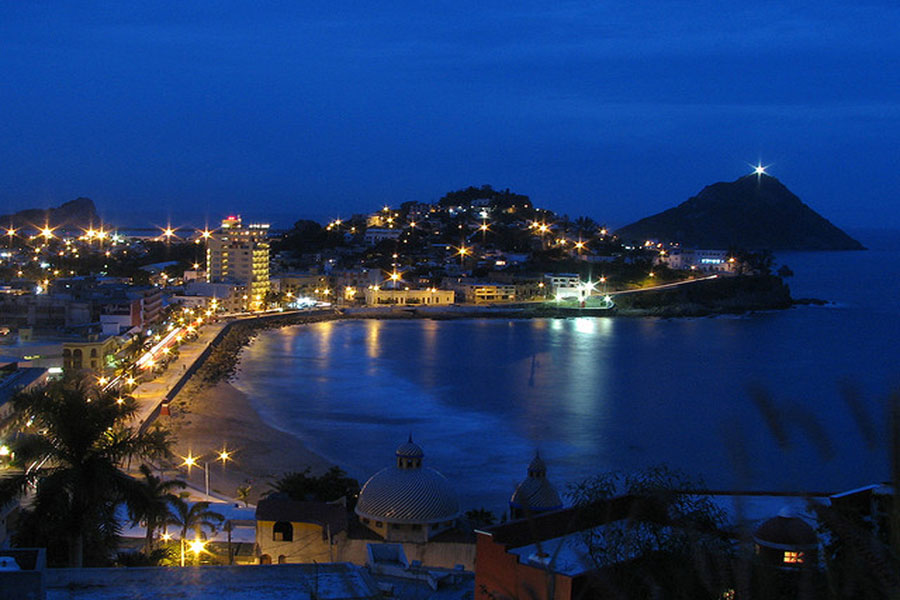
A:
<point x="320" y="109"/>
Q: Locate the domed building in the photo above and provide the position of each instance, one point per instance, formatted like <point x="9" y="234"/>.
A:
<point x="535" y="494"/>
<point x="407" y="502"/>
<point x="786" y="541"/>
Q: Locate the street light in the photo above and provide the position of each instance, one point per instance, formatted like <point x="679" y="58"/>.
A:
<point x="190" y="460"/>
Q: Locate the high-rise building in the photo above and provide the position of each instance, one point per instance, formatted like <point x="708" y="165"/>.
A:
<point x="240" y="254"/>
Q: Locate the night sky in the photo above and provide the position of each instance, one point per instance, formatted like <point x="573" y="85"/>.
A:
<point x="279" y="110"/>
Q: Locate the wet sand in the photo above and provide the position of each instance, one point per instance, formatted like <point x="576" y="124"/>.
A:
<point x="205" y="421"/>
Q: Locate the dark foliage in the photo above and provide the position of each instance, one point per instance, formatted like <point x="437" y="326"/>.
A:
<point x="328" y="487"/>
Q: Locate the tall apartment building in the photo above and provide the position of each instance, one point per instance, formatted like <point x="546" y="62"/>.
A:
<point x="239" y="254"/>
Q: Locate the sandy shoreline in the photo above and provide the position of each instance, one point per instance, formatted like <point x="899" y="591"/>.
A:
<point x="205" y="421"/>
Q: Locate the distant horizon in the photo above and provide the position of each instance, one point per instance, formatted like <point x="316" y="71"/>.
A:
<point x="123" y="217"/>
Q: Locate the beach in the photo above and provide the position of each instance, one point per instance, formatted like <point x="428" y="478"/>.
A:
<point x="205" y="421"/>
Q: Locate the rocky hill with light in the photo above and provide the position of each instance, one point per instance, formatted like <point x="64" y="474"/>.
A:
<point x="753" y="212"/>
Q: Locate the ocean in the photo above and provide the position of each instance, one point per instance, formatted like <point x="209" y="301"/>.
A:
<point x="606" y="394"/>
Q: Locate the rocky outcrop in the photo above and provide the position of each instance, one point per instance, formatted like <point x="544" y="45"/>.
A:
<point x="78" y="213"/>
<point x="755" y="212"/>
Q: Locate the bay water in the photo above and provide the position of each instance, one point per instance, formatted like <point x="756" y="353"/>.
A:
<point x="604" y="394"/>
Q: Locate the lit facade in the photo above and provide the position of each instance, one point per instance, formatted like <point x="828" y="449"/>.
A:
<point x="240" y="254"/>
<point x="427" y="297"/>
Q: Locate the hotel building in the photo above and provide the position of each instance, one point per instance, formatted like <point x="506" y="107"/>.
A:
<point x="240" y="254"/>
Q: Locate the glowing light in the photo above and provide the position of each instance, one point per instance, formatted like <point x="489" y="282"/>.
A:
<point x="166" y="536"/>
<point x="47" y="232"/>
<point x="759" y="169"/>
<point x="197" y="545"/>
<point x="224" y="456"/>
<point x="189" y="461"/>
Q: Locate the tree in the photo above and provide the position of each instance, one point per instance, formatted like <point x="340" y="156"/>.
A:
<point x="192" y="516"/>
<point x="330" y="486"/>
<point x="243" y="493"/>
<point x="149" y="501"/>
<point x="71" y="453"/>
<point x="671" y="546"/>
<point x="480" y="517"/>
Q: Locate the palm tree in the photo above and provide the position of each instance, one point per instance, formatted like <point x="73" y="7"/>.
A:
<point x="196" y="516"/>
<point x="70" y="453"/>
<point x="149" y="501"/>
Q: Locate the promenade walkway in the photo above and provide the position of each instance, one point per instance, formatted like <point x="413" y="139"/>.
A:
<point x="150" y="394"/>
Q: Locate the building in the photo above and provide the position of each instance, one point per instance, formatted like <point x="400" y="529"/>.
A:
<point x="15" y="379"/>
<point x="428" y="297"/>
<point x="565" y="281"/>
<point x="406" y="501"/>
<point x="225" y="297"/>
<point x="696" y="260"/>
<point x="405" y="509"/>
<point x="485" y="293"/>
<point x="289" y="531"/>
<point x="786" y="542"/>
<point x="239" y="254"/>
<point x="545" y="556"/>
<point x="535" y="494"/>
<point x="376" y="235"/>
<point x="136" y="307"/>
<point x="95" y="354"/>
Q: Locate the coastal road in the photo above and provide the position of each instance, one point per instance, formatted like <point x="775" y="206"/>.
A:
<point x="663" y="286"/>
<point x="150" y="393"/>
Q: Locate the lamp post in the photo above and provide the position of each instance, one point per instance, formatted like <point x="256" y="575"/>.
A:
<point x="190" y="460"/>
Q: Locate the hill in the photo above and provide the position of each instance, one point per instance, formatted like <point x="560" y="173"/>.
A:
<point x="753" y="212"/>
<point x="78" y="213"/>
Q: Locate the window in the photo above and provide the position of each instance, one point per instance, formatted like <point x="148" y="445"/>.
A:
<point x="283" y="531"/>
<point x="281" y="559"/>
<point x="265" y="559"/>
<point x="793" y="557"/>
<point x="379" y="524"/>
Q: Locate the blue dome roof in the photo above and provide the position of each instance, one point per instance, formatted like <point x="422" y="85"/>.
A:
<point x="536" y="493"/>
<point x="408" y="496"/>
<point x="408" y="493"/>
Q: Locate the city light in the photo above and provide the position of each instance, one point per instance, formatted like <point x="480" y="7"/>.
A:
<point x="189" y="461"/>
<point x="197" y="545"/>
<point x="224" y="455"/>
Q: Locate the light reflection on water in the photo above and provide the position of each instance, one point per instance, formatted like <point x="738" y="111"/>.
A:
<point x="592" y="394"/>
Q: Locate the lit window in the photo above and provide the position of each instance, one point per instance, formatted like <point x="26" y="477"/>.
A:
<point x="793" y="557"/>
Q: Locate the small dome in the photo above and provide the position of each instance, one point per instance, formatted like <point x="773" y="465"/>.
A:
<point x="537" y="466"/>
<point x="786" y="531"/>
<point x="409" y="449"/>
<point x="535" y="493"/>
